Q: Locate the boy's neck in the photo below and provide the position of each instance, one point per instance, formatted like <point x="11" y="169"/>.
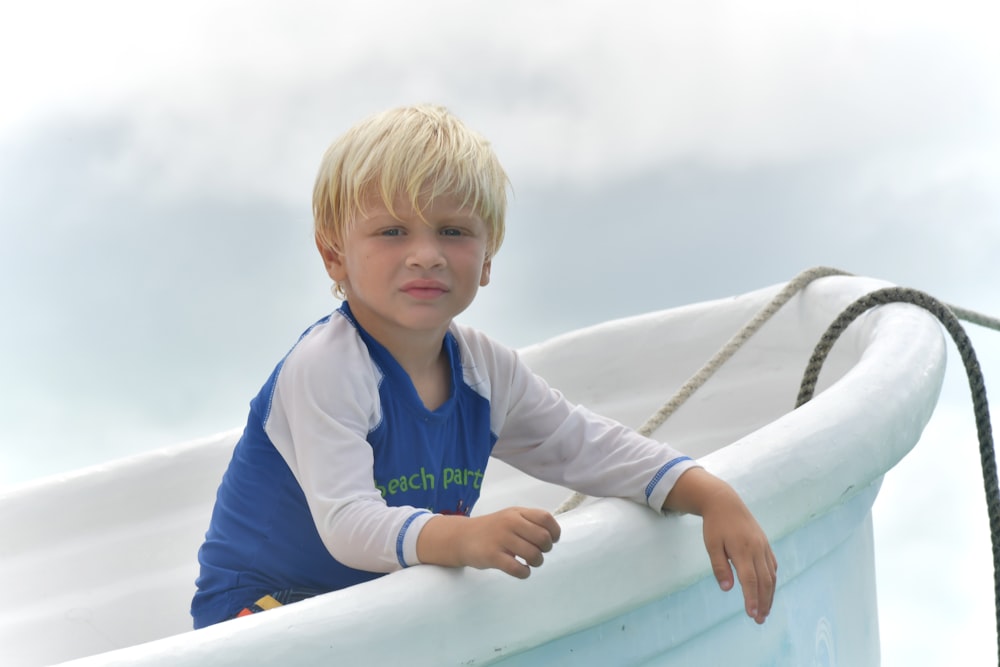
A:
<point x="420" y="354"/>
<point x="426" y="363"/>
<point x="433" y="381"/>
<point x="416" y="354"/>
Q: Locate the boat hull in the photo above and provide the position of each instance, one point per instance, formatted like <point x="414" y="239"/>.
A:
<point x="107" y="576"/>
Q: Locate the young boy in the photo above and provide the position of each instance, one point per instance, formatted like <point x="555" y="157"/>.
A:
<point x="347" y="467"/>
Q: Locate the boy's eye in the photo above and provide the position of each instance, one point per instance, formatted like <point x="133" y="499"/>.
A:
<point x="392" y="231"/>
<point x="451" y="231"/>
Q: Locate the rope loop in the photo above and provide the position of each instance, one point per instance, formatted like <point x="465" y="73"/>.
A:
<point x="977" y="386"/>
<point x="701" y="376"/>
<point x="949" y="317"/>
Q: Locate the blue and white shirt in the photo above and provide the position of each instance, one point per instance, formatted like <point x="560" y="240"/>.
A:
<point x="341" y="464"/>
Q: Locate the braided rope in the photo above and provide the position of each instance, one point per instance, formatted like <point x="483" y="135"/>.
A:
<point x="977" y="386"/>
<point x="947" y="314"/>
<point x="975" y="318"/>
<point x="735" y="343"/>
<point x="722" y="356"/>
<point x="794" y="286"/>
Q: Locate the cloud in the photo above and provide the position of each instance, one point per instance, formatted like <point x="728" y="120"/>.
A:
<point x="141" y="319"/>
<point x="252" y="97"/>
<point x="156" y="294"/>
<point x="688" y="232"/>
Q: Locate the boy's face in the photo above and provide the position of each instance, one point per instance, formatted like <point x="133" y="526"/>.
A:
<point x="404" y="275"/>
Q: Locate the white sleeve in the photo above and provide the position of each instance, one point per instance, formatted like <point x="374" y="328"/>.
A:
<point x="325" y="402"/>
<point x="541" y="433"/>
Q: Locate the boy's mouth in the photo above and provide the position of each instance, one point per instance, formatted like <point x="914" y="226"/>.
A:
<point x="424" y="289"/>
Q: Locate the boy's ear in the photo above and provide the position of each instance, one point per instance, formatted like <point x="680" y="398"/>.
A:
<point x="484" y="279"/>
<point x="333" y="259"/>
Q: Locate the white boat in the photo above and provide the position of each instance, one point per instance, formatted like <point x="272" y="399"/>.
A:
<point x="98" y="566"/>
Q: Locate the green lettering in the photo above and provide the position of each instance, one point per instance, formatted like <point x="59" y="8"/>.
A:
<point x="427" y="479"/>
<point x="393" y="486"/>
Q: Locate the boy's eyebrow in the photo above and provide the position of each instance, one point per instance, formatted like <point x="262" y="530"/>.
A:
<point x="470" y="215"/>
<point x="462" y="215"/>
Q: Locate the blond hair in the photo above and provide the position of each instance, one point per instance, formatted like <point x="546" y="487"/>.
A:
<point x="420" y="152"/>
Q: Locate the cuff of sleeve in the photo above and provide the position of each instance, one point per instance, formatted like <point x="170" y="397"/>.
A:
<point x="406" y="541"/>
<point x="663" y="481"/>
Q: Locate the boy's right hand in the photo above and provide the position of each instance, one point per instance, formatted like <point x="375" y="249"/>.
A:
<point x="512" y="540"/>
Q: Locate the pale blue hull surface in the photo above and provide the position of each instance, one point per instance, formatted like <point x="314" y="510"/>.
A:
<point x="826" y="584"/>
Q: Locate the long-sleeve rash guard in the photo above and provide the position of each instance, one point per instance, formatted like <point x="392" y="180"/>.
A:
<point x="341" y="465"/>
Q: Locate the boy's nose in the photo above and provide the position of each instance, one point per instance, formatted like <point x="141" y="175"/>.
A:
<point x="426" y="252"/>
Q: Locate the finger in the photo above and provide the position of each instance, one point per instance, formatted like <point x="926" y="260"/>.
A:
<point x="535" y="535"/>
<point x="746" y="570"/>
<point x="512" y="566"/>
<point x="720" y="565"/>
<point x="545" y="521"/>
<point x="765" y="593"/>
<point x="533" y="557"/>
<point x="526" y="550"/>
<point x="769" y="583"/>
<point x="749" y="583"/>
<point x="757" y="580"/>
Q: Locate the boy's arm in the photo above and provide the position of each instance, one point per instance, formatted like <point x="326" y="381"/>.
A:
<point x="545" y="435"/>
<point x="731" y="534"/>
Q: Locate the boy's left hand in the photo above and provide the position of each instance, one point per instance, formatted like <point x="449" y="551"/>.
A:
<point x="732" y="535"/>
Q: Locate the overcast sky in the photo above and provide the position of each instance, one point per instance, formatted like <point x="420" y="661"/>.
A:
<point x="157" y="160"/>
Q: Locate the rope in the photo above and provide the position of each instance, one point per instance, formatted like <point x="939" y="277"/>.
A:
<point x="735" y="343"/>
<point x="976" y="318"/>
<point x="794" y="286"/>
<point x="948" y="315"/>
<point x="722" y="356"/>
